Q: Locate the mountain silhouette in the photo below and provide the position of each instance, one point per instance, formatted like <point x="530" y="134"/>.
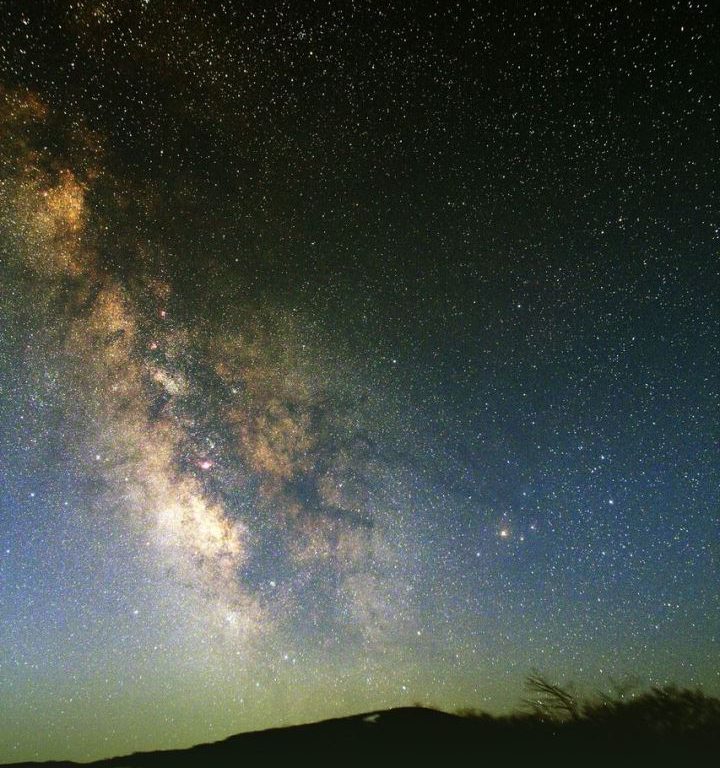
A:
<point x="417" y="736"/>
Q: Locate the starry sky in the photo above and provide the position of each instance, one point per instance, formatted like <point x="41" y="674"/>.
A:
<point x="352" y="355"/>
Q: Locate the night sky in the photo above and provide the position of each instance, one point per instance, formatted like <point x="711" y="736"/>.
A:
<point x="352" y="355"/>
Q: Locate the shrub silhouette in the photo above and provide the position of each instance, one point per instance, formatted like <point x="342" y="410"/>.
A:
<point x="665" y="725"/>
<point x="550" y="701"/>
<point x="661" y="710"/>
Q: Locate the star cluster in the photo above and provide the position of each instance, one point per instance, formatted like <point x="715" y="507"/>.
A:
<point x="351" y="355"/>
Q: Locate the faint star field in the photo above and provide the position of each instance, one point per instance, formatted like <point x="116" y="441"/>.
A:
<point x="352" y="355"/>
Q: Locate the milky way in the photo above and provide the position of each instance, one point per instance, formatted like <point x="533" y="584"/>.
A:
<point x="350" y="357"/>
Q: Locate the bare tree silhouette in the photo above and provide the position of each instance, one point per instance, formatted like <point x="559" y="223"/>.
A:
<point x="550" y="701"/>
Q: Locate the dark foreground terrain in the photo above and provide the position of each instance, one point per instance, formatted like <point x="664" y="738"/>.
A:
<point x="656" y="731"/>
